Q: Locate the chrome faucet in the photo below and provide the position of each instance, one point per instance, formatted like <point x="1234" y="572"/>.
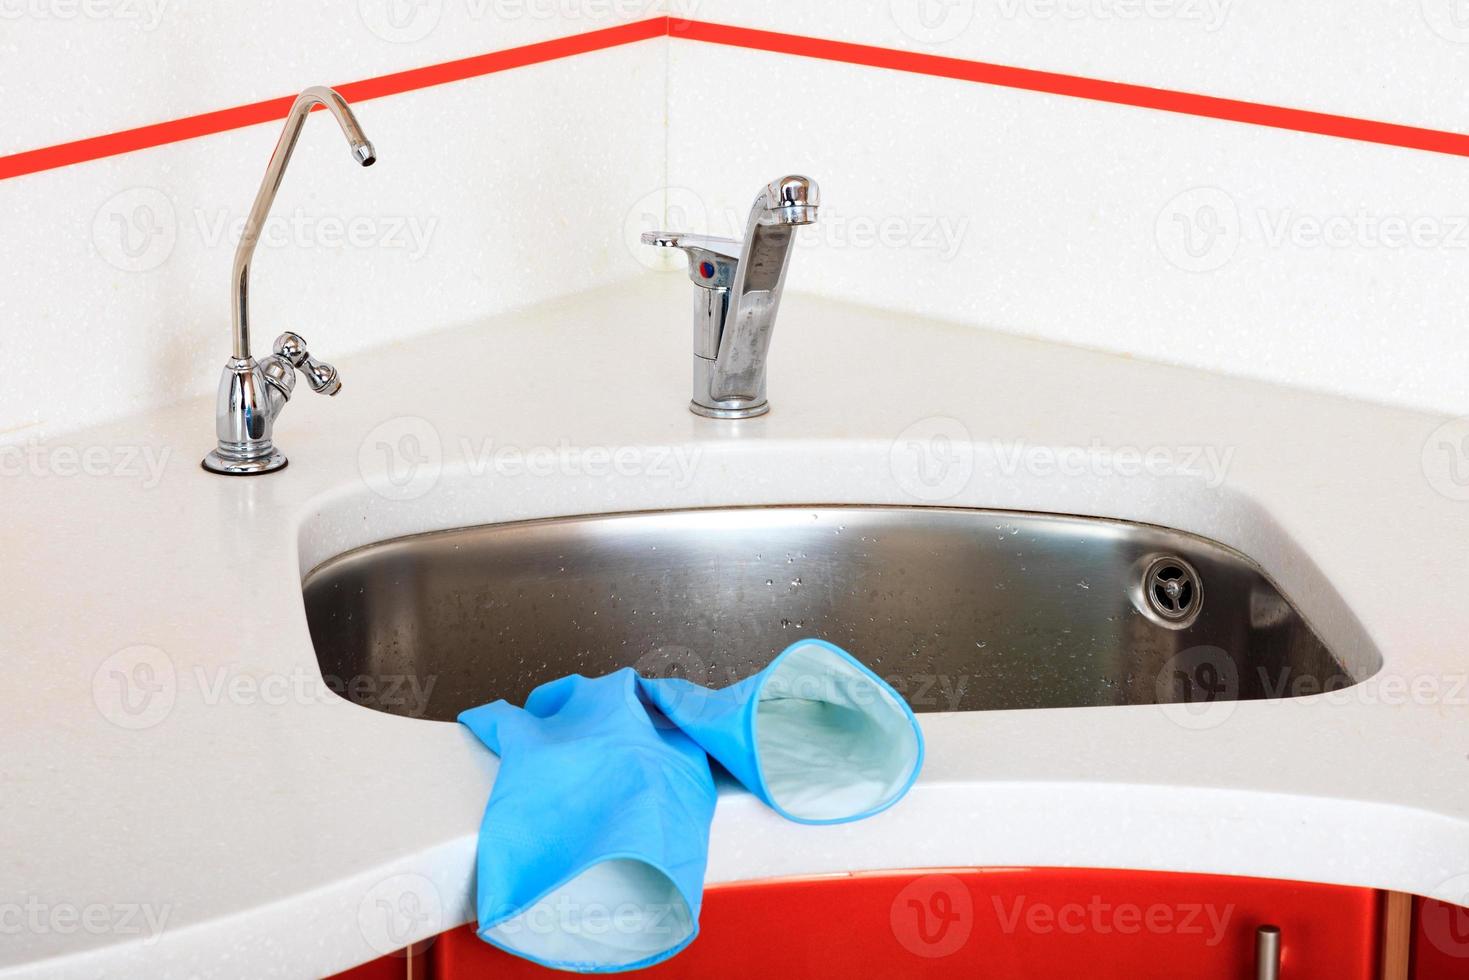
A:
<point x="739" y="288"/>
<point x="252" y="394"/>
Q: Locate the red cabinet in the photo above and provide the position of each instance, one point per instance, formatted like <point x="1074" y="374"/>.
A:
<point x="1000" y="924"/>
<point x="1440" y="941"/>
<point x="1011" y="924"/>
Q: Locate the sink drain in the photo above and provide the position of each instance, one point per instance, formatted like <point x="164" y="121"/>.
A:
<point x="1172" y="592"/>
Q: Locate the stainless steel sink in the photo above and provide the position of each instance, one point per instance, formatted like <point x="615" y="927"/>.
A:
<point x="962" y="610"/>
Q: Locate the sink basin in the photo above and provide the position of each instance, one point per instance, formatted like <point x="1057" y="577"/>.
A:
<point x="961" y="610"/>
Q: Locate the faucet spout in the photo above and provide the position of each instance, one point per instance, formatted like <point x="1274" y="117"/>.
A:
<point x="738" y="286"/>
<point x="738" y="377"/>
<point x="252" y="393"/>
<point x="362" y="152"/>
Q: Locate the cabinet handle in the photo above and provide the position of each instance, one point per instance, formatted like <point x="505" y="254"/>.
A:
<point x="1267" y="953"/>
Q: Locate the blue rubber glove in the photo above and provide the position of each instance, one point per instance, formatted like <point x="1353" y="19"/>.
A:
<point x="816" y="735"/>
<point x="593" y="846"/>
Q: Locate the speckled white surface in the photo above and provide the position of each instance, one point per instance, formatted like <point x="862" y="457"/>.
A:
<point x="70" y="71"/>
<point x="489" y="194"/>
<point x="1401" y="60"/>
<point x="1233" y="248"/>
<point x="1298" y="259"/>
<point x="126" y="63"/>
<point x="275" y="830"/>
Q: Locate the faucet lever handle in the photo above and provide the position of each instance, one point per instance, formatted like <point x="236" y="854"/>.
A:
<point x="730" y="248"/>
<point x="713" y="260"/>
<point x="321" y="376"/>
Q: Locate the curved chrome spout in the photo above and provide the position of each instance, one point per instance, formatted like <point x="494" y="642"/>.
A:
<point x="362" y="151"/>
<point x="252" y="394"/>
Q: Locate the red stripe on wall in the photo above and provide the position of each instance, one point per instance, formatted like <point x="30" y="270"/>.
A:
<point x="1255" y="113"/>
<point x="173" y="131"/>
<point x="1075" y="86"/>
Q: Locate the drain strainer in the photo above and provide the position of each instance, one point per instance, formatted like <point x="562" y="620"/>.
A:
<point x="1172" y="591"/>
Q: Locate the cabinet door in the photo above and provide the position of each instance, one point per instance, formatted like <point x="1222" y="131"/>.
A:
<point x="1001" y="924"/>
<point x="1440" y="941"/>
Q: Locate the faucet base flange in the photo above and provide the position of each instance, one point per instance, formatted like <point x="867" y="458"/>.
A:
<point x="743" y="412"/>
<point x="217" y="462"/>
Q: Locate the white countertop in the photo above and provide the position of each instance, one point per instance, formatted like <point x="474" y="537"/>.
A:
<point x="247" y="822"/>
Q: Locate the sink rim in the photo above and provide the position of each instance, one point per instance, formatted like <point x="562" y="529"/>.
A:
<point x="1348" y="660"/>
